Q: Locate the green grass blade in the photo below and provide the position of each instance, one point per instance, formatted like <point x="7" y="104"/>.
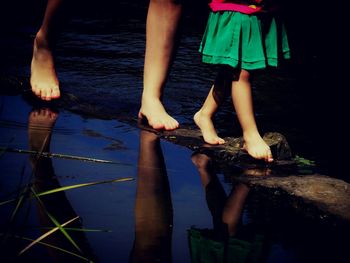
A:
<point x="19" y="204"/>
<point x="81" y="229"/>
<point x="45" y="235"/>
<point x="54" y="247"/>
<point x="58" y="248"/>
<point x="64" y="232"/>
<point x="7" y="201"/>
<point x="57" y="224"/>
<point x="64" y="188"/>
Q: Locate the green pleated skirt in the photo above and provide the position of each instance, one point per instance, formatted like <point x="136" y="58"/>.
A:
<point x="244" y="41"/>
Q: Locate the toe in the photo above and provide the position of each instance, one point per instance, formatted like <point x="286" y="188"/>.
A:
<point x="157" y="125"/>
<point x="55" y="93"/>
<point x="269" y="156"/>
<point x="221" y="141"/>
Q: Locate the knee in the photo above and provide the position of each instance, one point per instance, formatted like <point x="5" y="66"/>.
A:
<point x="244" y="75"/>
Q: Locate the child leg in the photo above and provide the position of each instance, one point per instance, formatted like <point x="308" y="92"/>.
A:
<point x="243" y="103"/>
<point x="203" y="118"/>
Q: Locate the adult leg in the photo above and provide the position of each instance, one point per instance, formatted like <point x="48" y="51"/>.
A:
<point x="43" y="77"/>
<point x="153" y="206"/>
<point x="161" y="30"/>
<point x="243" y="103"/>
<point x="40" y="127"/>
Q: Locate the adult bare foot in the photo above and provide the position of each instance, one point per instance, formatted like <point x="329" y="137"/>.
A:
<point x="207" y="128"/>
<point x="43" y="78"/>
<point x="257" y="147"/>
<point x="40" y="126"/>
<point x="156" y="115"/>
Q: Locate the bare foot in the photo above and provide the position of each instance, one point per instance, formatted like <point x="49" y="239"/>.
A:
<point x="207" y="128"/>
<point x="257" y="148"/>
<point x="43" y="77"/>
<point x="40" y="128"/>
<point x="156" y="115"/>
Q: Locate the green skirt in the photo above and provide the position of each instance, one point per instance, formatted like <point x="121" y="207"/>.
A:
<point x="244" y="41"/>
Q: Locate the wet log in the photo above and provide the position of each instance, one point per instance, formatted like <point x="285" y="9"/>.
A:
<point x="230" y="153"/>
<point x="329" y="195"/>
<point x="324" y="196"/>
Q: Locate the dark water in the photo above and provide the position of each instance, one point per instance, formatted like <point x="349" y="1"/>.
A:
<point x="100" y="60"/>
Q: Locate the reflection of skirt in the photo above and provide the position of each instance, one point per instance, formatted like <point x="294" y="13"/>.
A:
<point x="244" y="41"/>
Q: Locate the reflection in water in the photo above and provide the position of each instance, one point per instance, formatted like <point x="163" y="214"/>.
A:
<point x="153" y="207"/>
<point x="56" y="205"/>
<point x="226" y="242"/>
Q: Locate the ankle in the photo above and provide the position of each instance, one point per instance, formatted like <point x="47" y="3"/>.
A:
<point x="251" y="135"/>
<point x="204" y="114"/>
<point x="41" y="40"/>
<point x="148" y="98"/>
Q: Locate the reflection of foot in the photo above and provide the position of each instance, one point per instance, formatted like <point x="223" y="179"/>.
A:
<point x="148" y="137"/>
<point x="40" y="127"/>
<point x="43" y="77"/>
<point x="207" y="128"/>
<point x="258" y="172"/>
<point x="257" y="148"/>
<point x="156" y="115"/>
<point x="201" y="161"/>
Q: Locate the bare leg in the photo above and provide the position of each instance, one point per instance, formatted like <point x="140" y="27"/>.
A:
<point x="203" y="118"/>
<point x="214" y="192"/>
<point x="226" y="211"/>
<point x="234" y="206"/>
<point x="43" y="77"/>
<point x="153" y="207"/>
<point x="243" y="102"/>
<point x="161" y="28"/>
<point x="40" y="126"/>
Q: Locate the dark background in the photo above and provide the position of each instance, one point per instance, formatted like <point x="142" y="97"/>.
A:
<point x="318" y="54"/>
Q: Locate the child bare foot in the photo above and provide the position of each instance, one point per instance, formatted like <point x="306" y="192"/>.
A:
<point x="207" y="128"/>
<point x="156" y="115"/>
<point x="257" y="147"/>
<point x="43" y="77"/>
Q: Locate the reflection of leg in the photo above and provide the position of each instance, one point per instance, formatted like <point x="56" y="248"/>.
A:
<point x="153" y="208"/>
<point x="203" y="118"/>
<point x="40" y="127"/>
<point x="234" y="206"/>
<point x="214" y="192"/>
<point x="162" y="22"/>
<point x="243" y="102"/>
<point x="43" y="77"/>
